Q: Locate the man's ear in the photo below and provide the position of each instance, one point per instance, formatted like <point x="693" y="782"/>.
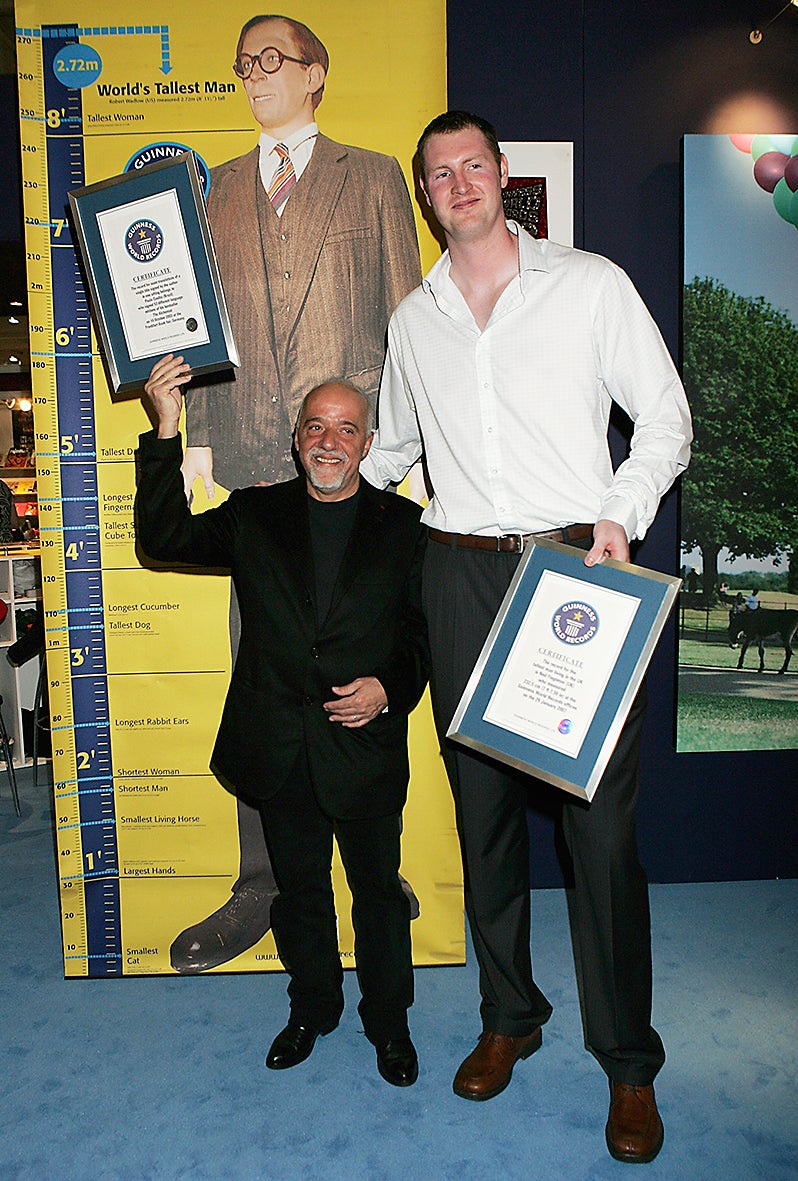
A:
<point x="423" y="188"/>
<point x="504" y="170"/>
<point x="315" y="76"/>
<point x="367" y="444"/>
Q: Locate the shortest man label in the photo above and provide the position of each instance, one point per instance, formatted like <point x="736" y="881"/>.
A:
<point x="560" y="662"/>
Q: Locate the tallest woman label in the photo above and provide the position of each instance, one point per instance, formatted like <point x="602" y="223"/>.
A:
<point x="137" y="658"/>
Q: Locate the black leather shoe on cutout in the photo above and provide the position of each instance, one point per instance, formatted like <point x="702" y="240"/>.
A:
<point x="291" y="1046"/>
<point x="235" y="927"/>
<point x="397" y="1062"/>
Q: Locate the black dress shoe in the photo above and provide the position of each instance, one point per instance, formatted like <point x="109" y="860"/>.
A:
<point x="291" y="1046"/>
<point x="235" y="927"/>
<point x="397" y="1062"/>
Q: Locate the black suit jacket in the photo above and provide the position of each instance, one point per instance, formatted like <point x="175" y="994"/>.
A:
<point x="287" y="663"/>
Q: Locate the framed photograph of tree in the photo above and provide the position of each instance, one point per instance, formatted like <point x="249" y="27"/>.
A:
<point x="738" y="617"/>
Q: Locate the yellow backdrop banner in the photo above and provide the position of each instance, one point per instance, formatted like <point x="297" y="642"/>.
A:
<point x="138" y="661"/>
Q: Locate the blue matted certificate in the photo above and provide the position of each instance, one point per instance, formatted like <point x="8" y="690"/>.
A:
<point x="152" y="273"/>
<point x="561" y="666"/>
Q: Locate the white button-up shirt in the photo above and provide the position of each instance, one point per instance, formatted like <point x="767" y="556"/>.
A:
<point x="513" y="419"/>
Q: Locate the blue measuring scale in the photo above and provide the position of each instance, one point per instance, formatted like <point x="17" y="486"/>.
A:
<point x="72" y="579"/>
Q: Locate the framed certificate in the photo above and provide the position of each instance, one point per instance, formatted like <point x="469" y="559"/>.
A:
<point x="152" y="273"/>
<point x="561" y="666"/>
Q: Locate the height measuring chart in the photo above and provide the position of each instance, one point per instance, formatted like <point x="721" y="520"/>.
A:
<point x="137" y="657"/>
<point x="130" y="747"/>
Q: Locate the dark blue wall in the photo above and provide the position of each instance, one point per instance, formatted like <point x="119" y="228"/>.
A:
<point x="625" y="81"/>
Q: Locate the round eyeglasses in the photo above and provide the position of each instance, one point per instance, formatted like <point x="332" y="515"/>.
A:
<point x="269" y="59"/>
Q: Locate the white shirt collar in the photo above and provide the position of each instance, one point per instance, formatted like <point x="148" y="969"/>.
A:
<point x="531" y="257"/>
<point x="292" y="141"/>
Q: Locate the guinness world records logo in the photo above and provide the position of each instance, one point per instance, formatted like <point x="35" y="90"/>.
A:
<point x="168" y="150"/>
<point x="575" y="623"/>
<point x="144" y="240"/>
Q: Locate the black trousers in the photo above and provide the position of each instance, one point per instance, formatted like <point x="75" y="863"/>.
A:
<point x="608" y="906"/>
<point x="300" y="840"/>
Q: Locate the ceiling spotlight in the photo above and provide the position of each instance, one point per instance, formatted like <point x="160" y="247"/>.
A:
<point x="755" y="36"/>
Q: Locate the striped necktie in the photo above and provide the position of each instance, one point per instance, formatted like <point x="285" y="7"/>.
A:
<point x="284" y="179"/>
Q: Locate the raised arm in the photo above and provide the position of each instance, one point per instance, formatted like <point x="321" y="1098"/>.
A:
<point x="163" y="388"/>
<point x="165" y="528"/>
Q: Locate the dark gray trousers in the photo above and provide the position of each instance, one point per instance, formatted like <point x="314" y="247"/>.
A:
<point x="608" y="906"/>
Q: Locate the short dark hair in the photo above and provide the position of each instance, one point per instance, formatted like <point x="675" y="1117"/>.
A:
<point x="451" y="121"/>
<point x="308" y="46"/>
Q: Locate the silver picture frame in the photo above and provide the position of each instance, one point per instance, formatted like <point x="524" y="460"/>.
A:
<point x="151" y="271"/>
<point x="562" y="664"/>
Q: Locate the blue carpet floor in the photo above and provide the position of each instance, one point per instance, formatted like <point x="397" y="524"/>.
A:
<point x="146" y="1078"/>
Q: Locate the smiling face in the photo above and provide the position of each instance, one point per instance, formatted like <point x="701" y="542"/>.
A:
<point x="332" y="437"/>
<point x="281" y="102"/>
<point x="463" y="184"/>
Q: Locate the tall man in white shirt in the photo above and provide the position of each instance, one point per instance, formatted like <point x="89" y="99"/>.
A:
<point x="316" y="245"/>
<point x="502" y="367"/>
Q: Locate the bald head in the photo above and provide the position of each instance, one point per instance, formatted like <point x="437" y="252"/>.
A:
<point x="333" y="434"/>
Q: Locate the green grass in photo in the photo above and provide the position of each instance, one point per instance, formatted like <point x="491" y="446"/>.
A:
<point x="709" y="721"/>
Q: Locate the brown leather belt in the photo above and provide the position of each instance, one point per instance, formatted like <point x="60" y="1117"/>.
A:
<point x="510" y="543"/>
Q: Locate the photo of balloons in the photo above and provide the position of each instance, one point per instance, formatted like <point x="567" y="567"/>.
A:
<point x="775" y="169"/>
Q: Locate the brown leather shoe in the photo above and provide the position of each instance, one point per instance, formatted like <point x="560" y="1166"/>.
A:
<point x="488" y="1069"/>
<point x="634" y="1127"/>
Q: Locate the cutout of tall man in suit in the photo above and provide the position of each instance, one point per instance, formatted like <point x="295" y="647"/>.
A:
<point x="316" y="245"/>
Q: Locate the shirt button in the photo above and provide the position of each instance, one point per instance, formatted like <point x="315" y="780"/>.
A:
<point x="283" y="237"/>
<point x="308" y="701"/>
<point x="274" y="397"/>
<point x="287" y="275"/>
